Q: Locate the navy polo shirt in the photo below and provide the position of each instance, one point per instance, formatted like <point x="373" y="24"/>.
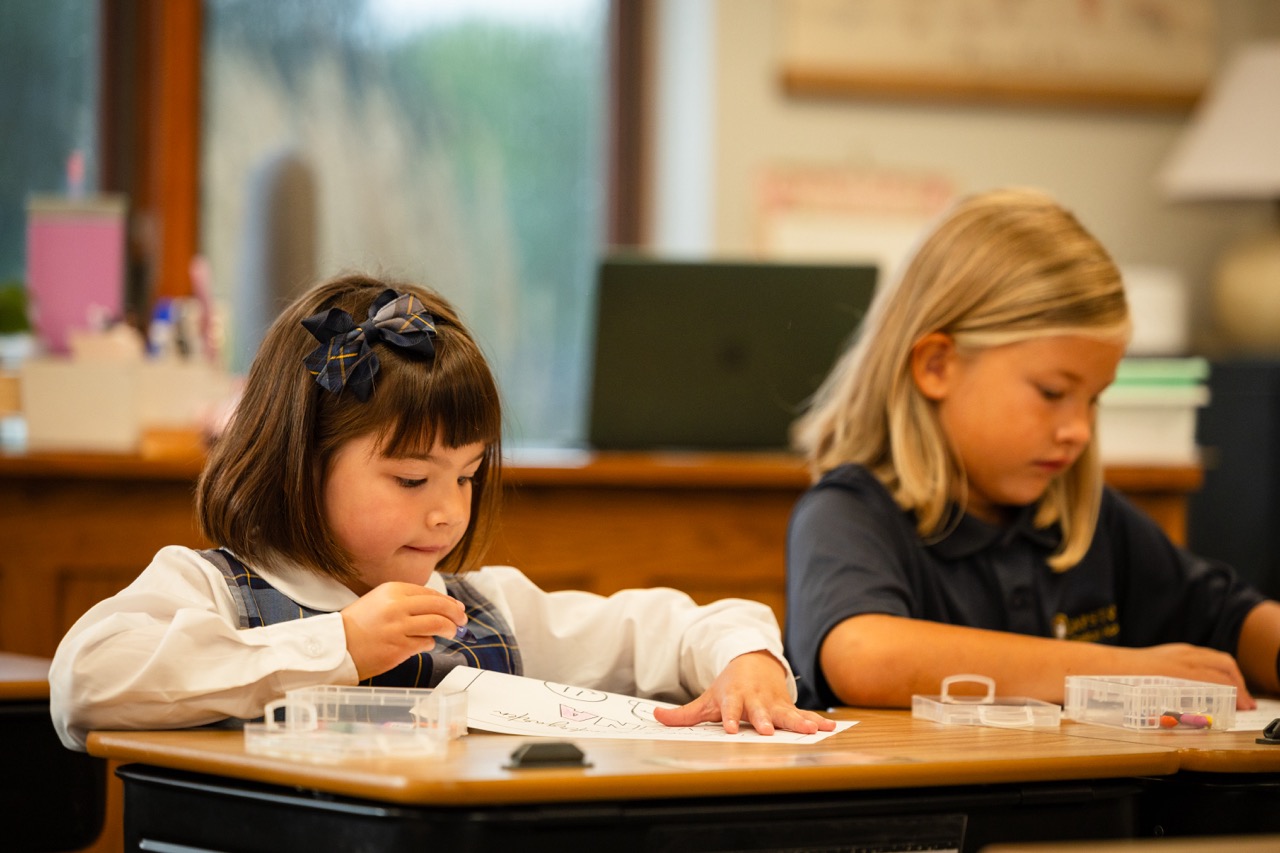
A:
<point x="852" y="550"/>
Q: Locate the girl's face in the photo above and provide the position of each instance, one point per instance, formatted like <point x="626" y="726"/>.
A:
<point x="1018" y="415"/>
<point x="399" y="517"/>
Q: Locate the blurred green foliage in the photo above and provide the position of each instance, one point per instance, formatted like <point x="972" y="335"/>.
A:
<point x="13" y="308"/>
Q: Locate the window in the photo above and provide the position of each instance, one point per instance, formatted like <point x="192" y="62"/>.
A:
<point x="460" y="144"/>
<point x="48" y="108"/>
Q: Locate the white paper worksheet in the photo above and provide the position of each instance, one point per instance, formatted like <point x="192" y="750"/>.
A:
<point x="512" y="704"/>
<point x="1259" y="718"/>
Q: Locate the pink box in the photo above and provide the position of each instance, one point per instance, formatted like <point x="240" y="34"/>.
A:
<point x="75" y="264"/>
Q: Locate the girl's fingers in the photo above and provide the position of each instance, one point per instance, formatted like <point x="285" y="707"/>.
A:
<point x="761" y="720"/>
<point x="765" y="719"/>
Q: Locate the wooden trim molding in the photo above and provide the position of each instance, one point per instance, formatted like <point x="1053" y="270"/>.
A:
<point x="629" y="65"/>
<point x="150" y="136"/>
<point x="173" y="29"/>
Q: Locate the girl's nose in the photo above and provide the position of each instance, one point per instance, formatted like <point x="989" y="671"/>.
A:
<point x="1077" y="429"/>
<point x="450" y="507"/>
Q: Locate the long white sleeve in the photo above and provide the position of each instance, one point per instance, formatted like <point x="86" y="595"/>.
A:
<point x="657" y="643"/>
<point x="166" y="652"/>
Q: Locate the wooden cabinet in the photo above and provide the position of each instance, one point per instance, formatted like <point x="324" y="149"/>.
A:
<point x="711" y="525"/>
<point x="74" y="529"/>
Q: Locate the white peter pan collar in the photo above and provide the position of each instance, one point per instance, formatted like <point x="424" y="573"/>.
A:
<point x="320" y="592"/>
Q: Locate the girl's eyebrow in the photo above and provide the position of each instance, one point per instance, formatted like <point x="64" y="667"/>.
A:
<point x="430" y="457"/>
<point x="1073" y="377"/>
<point x="1067" y="373"/>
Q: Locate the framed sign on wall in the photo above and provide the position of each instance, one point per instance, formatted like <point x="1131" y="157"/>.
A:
<point x="1093" y="53"/>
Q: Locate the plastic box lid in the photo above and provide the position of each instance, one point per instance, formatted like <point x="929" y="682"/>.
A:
<point x="1007" y="712"/>
<point x="1150" y="703"/>
<point x="333" y="722"/>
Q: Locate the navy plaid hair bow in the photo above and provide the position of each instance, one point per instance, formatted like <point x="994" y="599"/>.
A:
<point x="344" y="358"/>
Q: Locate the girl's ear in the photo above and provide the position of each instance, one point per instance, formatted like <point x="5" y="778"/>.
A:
<point x="933" y="359"/>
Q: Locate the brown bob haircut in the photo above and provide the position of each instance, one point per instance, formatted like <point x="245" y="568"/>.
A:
<point x="261" y="493"/>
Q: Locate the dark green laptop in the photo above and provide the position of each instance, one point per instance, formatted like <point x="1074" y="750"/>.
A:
<point x="715" y="355"/>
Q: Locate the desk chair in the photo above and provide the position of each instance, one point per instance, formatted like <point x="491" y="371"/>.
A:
<point x="54" y="798"/>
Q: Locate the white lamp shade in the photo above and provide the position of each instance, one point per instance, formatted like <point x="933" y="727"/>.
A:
<point x="1231" y="149"/>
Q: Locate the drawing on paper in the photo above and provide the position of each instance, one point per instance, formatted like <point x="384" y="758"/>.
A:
<point x="512" y="704"/>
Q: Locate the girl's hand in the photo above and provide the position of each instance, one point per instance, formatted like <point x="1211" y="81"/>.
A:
<point x="753" y="687"/>
<point x="393" y="621"/>
<point x="1181" y="660"/>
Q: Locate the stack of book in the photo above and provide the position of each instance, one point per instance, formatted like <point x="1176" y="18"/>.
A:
<point x="1148" y="415"/>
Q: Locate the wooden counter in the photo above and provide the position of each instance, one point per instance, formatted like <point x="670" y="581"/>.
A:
<point x="23" y="677"/>
<point x="76" y="528"/>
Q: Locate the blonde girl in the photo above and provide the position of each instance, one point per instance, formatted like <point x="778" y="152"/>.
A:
<point x="958" y="521"/>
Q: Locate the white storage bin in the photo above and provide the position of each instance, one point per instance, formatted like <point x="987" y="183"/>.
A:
<point x="79" y="405"/>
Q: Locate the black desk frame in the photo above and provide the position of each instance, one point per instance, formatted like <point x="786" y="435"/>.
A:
<point x="175" y="810"/>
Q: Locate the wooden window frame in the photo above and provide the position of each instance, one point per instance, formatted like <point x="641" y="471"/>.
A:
<point x="630" y="110"/>
<point x="150" y="132"/>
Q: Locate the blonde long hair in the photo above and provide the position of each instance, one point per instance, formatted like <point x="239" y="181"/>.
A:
<point x="1000" y="267"/>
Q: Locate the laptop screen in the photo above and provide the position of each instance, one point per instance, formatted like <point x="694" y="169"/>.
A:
<point x="715" y="355"/>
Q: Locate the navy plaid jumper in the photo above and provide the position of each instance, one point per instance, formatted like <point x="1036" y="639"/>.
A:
<point x="494" y="647"/>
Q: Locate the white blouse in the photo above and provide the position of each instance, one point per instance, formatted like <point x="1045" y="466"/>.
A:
<point x="166" y="652"/>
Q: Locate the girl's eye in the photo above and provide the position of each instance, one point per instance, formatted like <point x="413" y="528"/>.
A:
<point x="1051" y="394"/>
<point x="467" y="480"/>
<point x="410" y="484"/>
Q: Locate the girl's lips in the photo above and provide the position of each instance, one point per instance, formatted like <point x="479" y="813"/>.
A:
<point x="1052" y="466"/>
<point x="428" y="549"/>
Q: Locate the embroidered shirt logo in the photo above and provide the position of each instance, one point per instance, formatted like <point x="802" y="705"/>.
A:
<point x="1089" y="627"/>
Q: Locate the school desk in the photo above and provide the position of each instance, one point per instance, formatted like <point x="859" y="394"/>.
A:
<point x="53" y="799"/>
<point x="888" y="779"/>
<point x="79" y="527"/>
<point x="1226" y="781"/>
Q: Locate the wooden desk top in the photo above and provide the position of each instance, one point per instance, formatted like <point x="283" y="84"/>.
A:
<point x="23" y="677"/>
<point x="885" y="750"/>
<point x="1204" y="751"/>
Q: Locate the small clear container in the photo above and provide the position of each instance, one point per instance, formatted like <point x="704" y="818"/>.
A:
<point x="988" y="709"/>
<point x="1150" y="702"/>
<point x="333" y="723"/>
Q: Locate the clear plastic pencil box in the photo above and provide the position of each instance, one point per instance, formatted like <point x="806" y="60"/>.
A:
<point x="987" y="709"/>
<point x="1150" y="702"/>
<point x="331" y="723"/>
